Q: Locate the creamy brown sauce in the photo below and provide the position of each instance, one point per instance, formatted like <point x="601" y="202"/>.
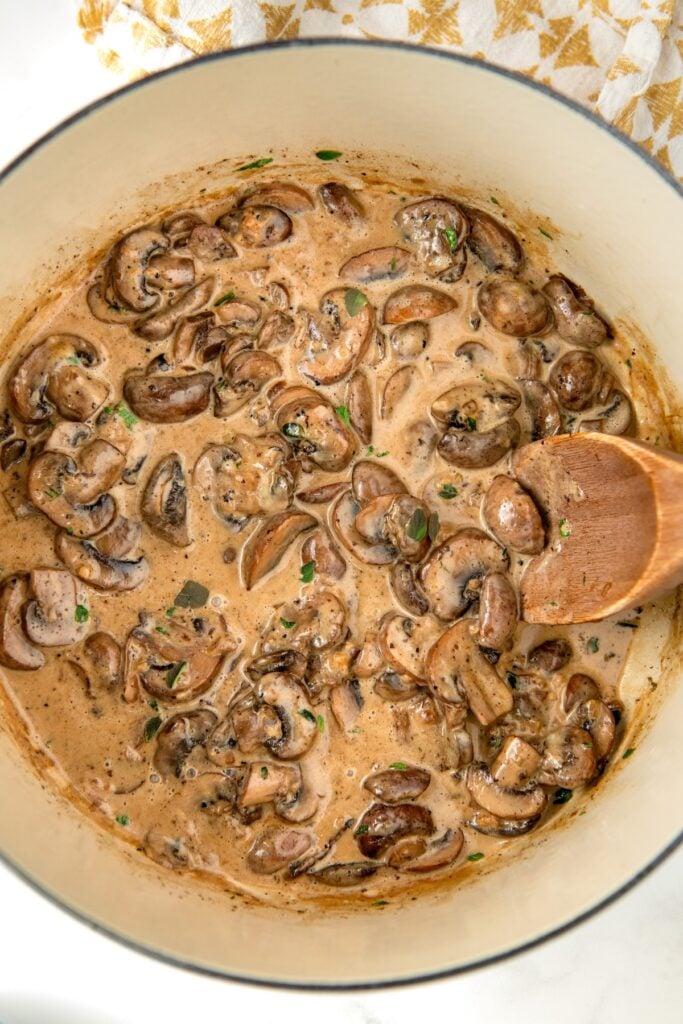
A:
<point x="196" y="806"/>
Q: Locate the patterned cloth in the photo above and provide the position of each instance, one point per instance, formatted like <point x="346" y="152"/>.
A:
<point x="622" y="58"/>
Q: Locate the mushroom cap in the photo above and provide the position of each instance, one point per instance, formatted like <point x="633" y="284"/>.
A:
<point x="466" y="555"/>
<point x="514" y="307"/>
<point x="341" y="202"/>
<point x="245" y="477"/>
<point x="127" y="264"/>
<point x="164" y="501"/>
<point x="270" y="541"/>
<point x="178" y="737"/>
<point x="70" y="357"/>
<point x="416" y="302"/>
<point x="15" y="649"/>
<point x="495" y="245"/>
<point x="386" y="263"/>
<point x="472" y="450"/>
<point x="161" y="398"/>
<point x="437" y="227"/>
<point x="512" y="517"/>
<point x="159" y="325"/>
<point x="311" y="424"/>
<point x="336" y="345"/>
<point x="383" y="824"/>
<point x="343" y="521"/>
<point x="50" y="620"/>
<point x="456" y="669"/>
<point x="575" y="317"/>
<point x="87" y="562"/>
<point x="509" y="804"/>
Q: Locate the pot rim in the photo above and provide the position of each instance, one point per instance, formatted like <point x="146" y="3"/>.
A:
<point x="602" y="125"/>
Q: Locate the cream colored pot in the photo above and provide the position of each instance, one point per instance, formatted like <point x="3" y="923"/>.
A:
<point x="461" y="125"/>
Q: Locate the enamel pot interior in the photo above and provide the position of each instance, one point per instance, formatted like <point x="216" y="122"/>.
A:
<point x="463" y="125"/>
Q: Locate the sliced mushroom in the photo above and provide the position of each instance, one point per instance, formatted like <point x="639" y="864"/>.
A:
<point x="461" y="560"/>
<point x="410" y="340"/>
<point x="70" y="492"/>
<point x="210" y="243"/>
<point x="406" y="590"/>
<point x="52" y="619"/>
<point x="575" y="316"/>
<point x="387" y="263"/>
<point x="127" y="265"/>
<point x="568" y="758"/>
<point x="56" y="374"/>
<point x="321" y="495"/>
<point x="515" y="763"/>
<point x="311" y="424"/>
<point x="437" y="227"/>
<point x="542" y="408"/>
<point x="169" y="273"/>
<point x="514" y="307"/>
<point x="103" y="654"/>
<point x="257" y="227"/>
<point x="493" y="242"/>
<point x="369" y="659"/>
<point x="164" y="501"/>
<point x="12" y="452"/>
<point x="395" y="688"/>
<point x="245" y="477"/>
<point x="191" y="338"/>
<point x="268" y="544"/>
<point x="405" y="643"/>
<point x="580" y="687"/>
<point x="396" y="389"/>
<point x="275" y="849"/>
<point x="282" y="194"/>
<point x="472" y="450"/>
<point x="104" y="305"/>
<point x="337" y="345"/>
<point x="396" y="785"/>
<point x="15" y="650"/>
<point x="321" y="549"/>
<point x="577" y="379"/>
<point x="343" y="876"/>
<point x="502" y="828"/>
<point x="178" y="737"/>
<point x="157" y="326"/>
<point x="168" y="399"/>
<point x="318" y="623"/>
<point x="416" y="302"/>
<point x="244" y="376"/>
<point x="438" y="854"/>
<point x="551" y="655"/>
<point x="239" y="313"/>
<point x="287" y="696"/>
<point x="292" y="662"/>
<point x="346" y="703"/>
<point x="179" y="226"/>
<point x="475" y="405"/>
<point x="383" y="824"/>
<point x="87" y="562"/>
<point x="498" y="614"/>
<point x="359" y="404"/>
<point x="341" y="202"/>
<point x="616" y="419"/>
<point x="509" y="804"/>
<point x="268" y="782"/>
<point x="457" y="669"/>
<point x="371" y="479"/>
<point x="512" y="517"/>
<point x="277" y="330"/>
<point x="596" y="718"/>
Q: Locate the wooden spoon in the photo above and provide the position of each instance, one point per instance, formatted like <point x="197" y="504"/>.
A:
<point x="614" y="511"/>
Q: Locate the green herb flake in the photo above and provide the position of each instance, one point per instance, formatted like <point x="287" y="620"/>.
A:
<point x="629" y="363"/>
<point x="380" y="903"/>
<point x="476" y="856"/>
<point x="564" y="527"/>
<point x="152" y="726"/>
<point x="628" y="625"/>
<point x="361" y="830"/>
<point x="74" y="360"/>
<point x="228" y="297"/>
<point x="52" y="492"/>
<point x="433" y="526"/>
<point x="81" y="614"/>
<point x="562" y="795"/>
<point x="546" y="233"/>
<point x="354" y="301"/>
<point x="264" y="771"/>
<point x="375" y="451"/>
<point x="342" y="412"/>
<point x="154" y="704"/>
<point x="417" y="525"/>
<point x="627" y="753"/>
<point x="307" y="572"/>
<point x="193" y="595"/>
<point x="170" y="612"/>
<point x="471" y="423"/>
<point x="286" y="624"/>
<point x="494" y="201"/>
<point x="399" y="766"/>
<point x="261" y="162"/>
<point x="511" y="680"/>
<point x="320" y="722"/>
<point x="128" y="418"/>
<point x="174" y="673"/>
<point x="451" y="238"/>
<point x="328" y="154"/>
<point x="123" y="819"/>
<point x="70" y="530"/>
<point x="392" y="263"/>
<point x="162" y="629"/>
<point x="294" y="430"/>
<point x="448" y="492"/>
<point x="308" y="715"/>
<point x="593" y="645"/>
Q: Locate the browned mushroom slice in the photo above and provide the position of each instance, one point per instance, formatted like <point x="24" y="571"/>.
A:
<point x="490" y="825"/>
<point x="450" y="576"/>
<point x="407" y="527"/>
<point x="343" y="876"/>
<point x="597" y="719"/>
<point x="178" y="227"/>
<point x="292" y="662"/>
<point x="514" y="307"/>
<point x="169" y="273"/>
<point x="437" y="227"/>
<point x="127" y="264"/>
<point x="369" y="659"/>
<point x="71" y="493"/>
<point x="346" y="702"/>
<point x="575" y="316"/>
<point x="245" y="477"/>
<point x="104" y="305"/>
<point x="493" y="242"/>
<point x="336" y="345"/>
<point x="288" y="697"/>
<point x="56" y="374"/>
<point x="277" y="330"/>
<point x="12" y="452"/>
<point x="509" y="804"/>
<point x="416" y="302"/>
<point x="438" y="854"/>
<point x="239" y="312"/>
<point x="275" y="849"/>
<point x="568" y="758"/>
<point x="515" y="763"/>
<point x="399" y="784"/>
<point x="383" y="824"/>
<point x="86" y="562"/>
<point x="468" y="449"/>
<point x="178" y="737"/>
<point x="359" y="404"/>
<point x="456" y="668"/>
<point x="312" y="426"/>
<point x="406" y="590"/>
<point x="405" y="643"/>
<point x="15" y="649"/>
<point x="210" y="244"/>
<point x="542" y="408"/>
<point x="395" y="688"/>
<point x="577" y="379"/>
<point x="190" y="337"/>
<point x="164" y="501"/>
<point x="410" y="340"/>
<point x="103" y="654"/>
<point x="270" y="782"/>
<point x="258" y="226"/>
<point x="321" y="549"/>
<point x="243" y="377"/>
<point x="371" y="479"/>
<point x="341" y="202"/>
<point x="387" y="263"/>
<point x="580" y="688"/>
<point x="616" y="419"/>
<point x="315" y="624"/>
<point x="323" y="494"/>
<point x="53" y="619"/>
<point x="270" y="541"/>
<point x="498" y="613"/>
<point x="282" y="194"/>
<point x="164" y="399"/>
<point x="512" y="517"/>
<point x="551" y="655"/>
<point x="475" y="405"/>
<point x="158" y="326"/>
<point x="396" y="389"/>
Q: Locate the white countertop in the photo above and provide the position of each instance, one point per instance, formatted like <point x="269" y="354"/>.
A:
<point x="622" y="966"/>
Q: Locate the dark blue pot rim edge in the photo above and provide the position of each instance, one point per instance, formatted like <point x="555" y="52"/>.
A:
<point x="332" y="987"/>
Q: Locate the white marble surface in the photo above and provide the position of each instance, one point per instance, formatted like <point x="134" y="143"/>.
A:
<point x="622" y="966"/>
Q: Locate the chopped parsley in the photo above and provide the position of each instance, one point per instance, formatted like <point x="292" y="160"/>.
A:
<point x="494" y="201"/>
<point x="128" y="418"/>
<point x="627" y="753"/>
<point x="392" y="263"/>
<point x="74" y="360"/>
<point x="193" y="595"/>
<point x="593" y="645"/>
<point x="328" y="154"/>
<point x="546" y="233"/>
<point x="565" y="528"/>
<point x="361" y="830"/>
<point x="154" y="704"/>
<point x="307" y="572"/>
<point x="286" y="624"/>
<point x="371" y="450"/>
<point x="433" y="526"/>
<point x="174" y="673"/>
<point x="81" y="614"/>
<point x="354" y="301"/>
<point x="629" y="363"/>
<point x="342" y="412"/>
<point x="228" y="297"/>
<point x="399" y="766"/>
<point x="261" y="162"/>
<point x="161" y="629"/>
<point x="471" y="423"/>
<point x="380" y="903"/>
<point x="52" y="492"/>
<point x="293" y="430"/>
<point x="320" y="722"/>
<point x="170" y="612"/>
<point x="152" y="726"/>
<point x="308" y="715"/>
<point x="451" y="238"/>
<point x="476" y="856"/>
<point x="562" y="795"/>
<point x="448" y="492"/>
<point x="123" y="819"/>
<point x="417" y="525"/>
<point x="264" y="771"/>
